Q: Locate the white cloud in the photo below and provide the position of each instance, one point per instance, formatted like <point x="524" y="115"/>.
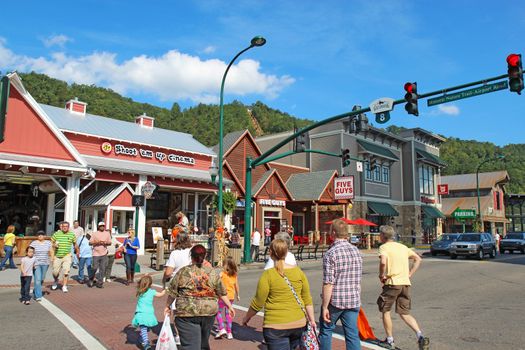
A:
<point x="448" y="109"/>
<point x="172" y="76"/>
<point x="56" y="40"/>
<point x="209" y="49"/>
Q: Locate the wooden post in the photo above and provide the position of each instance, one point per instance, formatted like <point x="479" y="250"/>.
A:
<point x="160" y="254"/>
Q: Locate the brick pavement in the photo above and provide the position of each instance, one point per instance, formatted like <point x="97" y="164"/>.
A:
<point x="106" y="314"/>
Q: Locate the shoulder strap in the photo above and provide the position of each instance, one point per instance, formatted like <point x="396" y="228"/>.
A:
<point x="296" y="296"/>
<point x="82" y="240"/>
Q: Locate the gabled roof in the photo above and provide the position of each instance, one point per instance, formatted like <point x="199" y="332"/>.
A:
<point x="19" y="86"/>
<point x="309" y="186"/>
<point x="265" y="178"/>
<point x="95" y="125"/>
<point x="449" y="205"/>
<point x="228" y="141"/>
<point x="468" y="181"/>
<point x="105" y="196"/>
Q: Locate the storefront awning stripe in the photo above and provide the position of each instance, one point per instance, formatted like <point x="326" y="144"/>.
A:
<point x="382" y="209"/>
<point x="377" y="150"/>
<point x="432" y="212"/>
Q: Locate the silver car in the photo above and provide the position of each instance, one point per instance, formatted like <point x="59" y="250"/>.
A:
<point x="442" y="244"/>
<point x="473" y="244"/>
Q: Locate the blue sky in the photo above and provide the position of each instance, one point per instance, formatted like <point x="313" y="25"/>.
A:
<point x="321" y="57"/>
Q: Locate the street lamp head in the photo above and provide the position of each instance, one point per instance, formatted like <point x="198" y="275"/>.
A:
<point x="214" y="170"/>
<point x="258" y="41"/>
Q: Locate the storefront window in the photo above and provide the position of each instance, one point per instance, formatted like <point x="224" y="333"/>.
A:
<point x="204" y="219"/>
<point x="368" y="173"/>
<point x="157" y="209"/>
<point x="426" y="179"/>
<point x="298" y="224"/>
<point x="386" y="174"/>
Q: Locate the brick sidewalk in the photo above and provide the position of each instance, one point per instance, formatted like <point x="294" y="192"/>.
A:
<point x="106" y="314"/>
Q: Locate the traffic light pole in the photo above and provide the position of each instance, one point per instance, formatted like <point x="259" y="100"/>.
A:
<point x="263" y="158"/>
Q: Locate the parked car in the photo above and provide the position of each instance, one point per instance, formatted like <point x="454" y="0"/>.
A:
<point x="355" y="240"/>
<point x="473" y="244"/>
<point x="512" y="242"/>
<point x="442" y="244"/>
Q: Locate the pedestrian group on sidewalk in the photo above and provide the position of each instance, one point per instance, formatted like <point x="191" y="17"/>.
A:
<point x="199" y="294"/>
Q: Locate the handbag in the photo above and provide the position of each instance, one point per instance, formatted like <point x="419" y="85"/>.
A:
<point x="166" y="339"/>
<point x="309" y="338"/>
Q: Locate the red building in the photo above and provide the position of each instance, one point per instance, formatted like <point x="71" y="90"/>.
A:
<point x="66" y="164"/>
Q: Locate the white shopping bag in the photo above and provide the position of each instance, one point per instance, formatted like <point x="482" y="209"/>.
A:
<point x="166" y="339"/>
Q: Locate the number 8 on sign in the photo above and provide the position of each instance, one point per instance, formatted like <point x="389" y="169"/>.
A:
<point x="382" y="117"/>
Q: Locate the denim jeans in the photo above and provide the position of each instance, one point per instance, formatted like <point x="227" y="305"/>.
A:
<point x="25" y="285"/>
<point x="130" y="260"/>
<point x="87" y="262"/>
<point x="8" y="256"/>
<point x="282" y="339"/>
<point x="40" y="276"/>
<point x="348" y="319"/>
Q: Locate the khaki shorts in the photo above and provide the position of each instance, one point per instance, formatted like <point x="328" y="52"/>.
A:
<point x="400" y="295"/>
<point x="63" y="264"/>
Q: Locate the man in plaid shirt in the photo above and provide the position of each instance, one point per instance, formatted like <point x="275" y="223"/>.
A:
<point x="342" y="268"/>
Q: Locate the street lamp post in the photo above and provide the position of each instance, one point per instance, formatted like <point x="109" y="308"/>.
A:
<point x="255" y="42"/>
<point x="498" y="157"/>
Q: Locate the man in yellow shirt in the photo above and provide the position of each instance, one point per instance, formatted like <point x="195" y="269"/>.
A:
<point x="394" y="274"/>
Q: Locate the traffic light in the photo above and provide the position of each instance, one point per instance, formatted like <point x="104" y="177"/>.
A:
<point x="345" y="157"/>
<point x="357" y="123"/>
<point x="411" y="98"/>
<point x="515" y="71"/>
<point x="299" y="143"/>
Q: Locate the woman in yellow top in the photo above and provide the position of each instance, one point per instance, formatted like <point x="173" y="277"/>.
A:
<point x="284" y="321"/>
<point x="9" y="243"/>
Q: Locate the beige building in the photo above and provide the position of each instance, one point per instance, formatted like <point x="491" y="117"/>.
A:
<point x="463" y="195"/>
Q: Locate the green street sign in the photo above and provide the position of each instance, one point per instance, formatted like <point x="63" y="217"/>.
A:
<point x="462" y="214"/>
<point x="485" y="89"/>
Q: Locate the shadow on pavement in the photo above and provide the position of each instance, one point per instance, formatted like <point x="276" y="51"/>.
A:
<point x="133" y="334"/>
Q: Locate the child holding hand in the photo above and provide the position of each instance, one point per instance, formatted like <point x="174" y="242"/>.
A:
<point x="26" y="275"/>
<point x="145" y="313"/>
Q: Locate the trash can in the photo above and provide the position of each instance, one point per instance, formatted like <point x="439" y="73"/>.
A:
<point x="235" y="253"/>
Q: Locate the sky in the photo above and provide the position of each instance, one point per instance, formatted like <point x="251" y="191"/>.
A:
<point x="321" y="57"/>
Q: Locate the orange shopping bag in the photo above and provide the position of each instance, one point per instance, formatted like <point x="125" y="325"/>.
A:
<point x="365" y="331"/>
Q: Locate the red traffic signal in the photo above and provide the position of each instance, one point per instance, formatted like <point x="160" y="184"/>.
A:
<point x="515" y="72"/>
<point x="411" y="98"/>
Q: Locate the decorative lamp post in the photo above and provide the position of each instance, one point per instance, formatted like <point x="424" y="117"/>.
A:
<point x="214" y="170"/>
<point x="255" y="42"/>
<point x="498" y="157"/>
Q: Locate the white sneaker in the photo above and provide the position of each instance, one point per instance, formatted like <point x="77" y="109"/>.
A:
<point x="107" y="279"/>
<point x="54" y="286"/>
<point x="103" y="279"/>
<point x="64" y="289"/>
<point x="38" y="299"/>
<point x="230" y="336"/>
<point x="177" y="340"/>
<point x="220" y="333"/>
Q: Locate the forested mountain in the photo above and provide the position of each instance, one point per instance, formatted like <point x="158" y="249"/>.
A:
<point x="200" y="121"/>
<point x="462" y="156"/>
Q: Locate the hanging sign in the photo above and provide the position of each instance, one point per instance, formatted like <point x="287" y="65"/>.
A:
<point x="344" y="187"/>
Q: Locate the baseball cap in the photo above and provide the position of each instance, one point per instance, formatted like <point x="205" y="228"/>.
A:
<point x="40" y="232"/>
<point x="101" y="223"/>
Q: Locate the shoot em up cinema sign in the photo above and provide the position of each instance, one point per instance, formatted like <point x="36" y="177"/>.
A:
<point x="120" y="149"/>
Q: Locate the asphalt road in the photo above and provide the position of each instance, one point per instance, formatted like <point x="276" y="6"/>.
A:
<point x="459" y="304"/>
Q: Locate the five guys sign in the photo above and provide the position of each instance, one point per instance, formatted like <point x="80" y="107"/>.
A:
<point x="344" y="187"/>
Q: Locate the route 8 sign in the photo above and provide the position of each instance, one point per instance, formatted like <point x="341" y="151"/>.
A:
<point x="382" y="107"/>
<point x="382" y="117"/>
